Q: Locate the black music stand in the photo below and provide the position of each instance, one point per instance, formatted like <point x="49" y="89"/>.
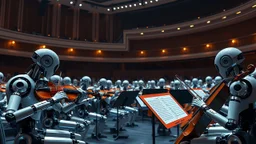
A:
<point x="153" y="91"/>
<point x="125" y="98"/>
<point x="183" y="97"/>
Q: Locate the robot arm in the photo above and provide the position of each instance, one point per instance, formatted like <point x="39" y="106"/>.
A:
<point x="14" y="115"/>
<point x="224" y="109"/>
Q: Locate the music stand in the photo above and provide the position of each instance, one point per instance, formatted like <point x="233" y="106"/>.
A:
<point x="125" y="98"/>
<point x="153" y="91"/>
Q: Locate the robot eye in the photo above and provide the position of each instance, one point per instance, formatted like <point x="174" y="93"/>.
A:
<point x="46" y="61"/>
<point x="226" y="61"/>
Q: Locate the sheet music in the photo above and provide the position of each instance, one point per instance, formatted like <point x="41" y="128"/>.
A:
<point x="201" y="93"/>
<point x="141" y="103"/>
<point x="166" y="108"/>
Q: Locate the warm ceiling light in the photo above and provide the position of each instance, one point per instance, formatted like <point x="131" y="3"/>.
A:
<point x="71" y="49"/>
<point x="198" y="17"/>
<point x="162" y="30"/>
<point x="191" y="26"/>
<point x="49" y="35"/>
<point x="44" y="46"/>
<point x="71" y="2"/>
<point x="99" y="51"/>
<point x="142" y="33"/>
<point x="208" y="45"/>
<point x="224" y="17"/>
<point x="80" y="5"/>
<point x="13" y="42"/>
<point x="141" y="52"/>
<point x="254" y="6"/>
<point x="184" y="49"/>
<point x="178" y="28"/>
<point x="163" y="51"/>
<point x="208" y="22"/>
<point x="233" y="41"/>
<point x="238" y="12"/>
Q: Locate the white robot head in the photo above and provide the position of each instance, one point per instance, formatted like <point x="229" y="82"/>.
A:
<point x="56" y="79"/>
<point x="125" y="83"/>
<point x="153" y="83"/>
<point x="135" y="83"/>
<point x="102" y="82"/>
<point x="141" y="83"/>
<point x="67" y="81"/>
<point x="47" y="60"/>
<point x="109" y="83"/>
<point x="217" y="80"/>
<point x="1" y="77"/>
<point x="85" y="82"/>
<point x="228" y="62"/>
<point x="195" y="81"/>
<point x="118" y="83"/>
<point x="208" y="80"/>
<point x="161" y="82"/>
<point x="176" y="84"/>
<point x="75" y="82"/>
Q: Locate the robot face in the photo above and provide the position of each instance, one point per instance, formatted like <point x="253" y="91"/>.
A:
<point x="67" y="81"/>
<point x="195" y="81"/>
<point x="75" y="82"/>
<point x="208" y="80"/>
<point x="47" y="60"/>
<point x="55" y="79"/>
<point x="103" y="82"/>
<point x="227" y="59"/>
<point x="176" y="84"/>
<point x="125" y="83"/>
<point x="218" y="79"/>
<point x="152" y="83"/>
<point x="109" y="83"/>
<point x="85" y="81"/>
<point x="141" y="83"/>
<point x="161" y="82"/>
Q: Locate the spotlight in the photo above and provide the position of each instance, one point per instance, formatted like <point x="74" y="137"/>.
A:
<point x="162" y="31"/>
<point x="233" y="41"/>
<point x="141" y="52"/>
<point x="71" y="2"/>
<point x="44" y="46"/>
<point x="140" y="4"/>
<point x="184" y="49"/>
<point x="108" y="9"/>
<point x="125" y="6"/>
<point x="178" y="28"/>
<point x="80" y="5"/>
<point x="114" y="8"/>
<point x="13" y="42"/>
<point x="156" y="0"/>
<point x="117" y="7"/>
<point x="135" y="5"/>
<point x="224" y="17"/>
<point x="208" y="22"/>
<point x="191" y="26"/>
<point x="99" y="51"/>
<point x="130" y="5"/>
<point x="151" y="1"/>
<point x="163" y="51"/>
<point x="142" y="33"/>
<point x="122" y="7"/>
<point x="238" y="12"/>
<point x="146" y="2"/>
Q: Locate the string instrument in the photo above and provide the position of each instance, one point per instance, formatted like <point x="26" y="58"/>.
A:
<point x="200" y="121"/>
<point x="44" y="93"/>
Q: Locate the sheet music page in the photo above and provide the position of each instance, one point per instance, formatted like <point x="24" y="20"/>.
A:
<point x="201" y="93"/>
<point x="166" y="108"/>
<point x="140" y="102"/>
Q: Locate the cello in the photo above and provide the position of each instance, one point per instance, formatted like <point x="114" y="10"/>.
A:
<point x="200" y="121"/>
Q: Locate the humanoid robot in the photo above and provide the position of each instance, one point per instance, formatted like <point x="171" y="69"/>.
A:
<point x="195" y="83"/>
<point x="75" y="82"/>
<point x="176" y="85"/>
<point x="140" y="86"/>
<point x="217" y="80"/>
<point x="152" y="84"/>
<point x="208" y="83"/>
<point x="3" y="98"/>
<point x="135" y="84"/>
<point x="240" y="113"/>
<point x="161" y="84"/>
<point x="67" y="81"/>
<point x="56" y="80"/>
<point x="24" y="107"/>
<point x="200" y="83"/>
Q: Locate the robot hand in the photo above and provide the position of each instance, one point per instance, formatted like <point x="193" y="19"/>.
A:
<point x="59" y="96"/>
<point x="198" y="102"/>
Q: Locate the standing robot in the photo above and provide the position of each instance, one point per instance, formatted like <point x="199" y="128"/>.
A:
<point x="241" y="113"/>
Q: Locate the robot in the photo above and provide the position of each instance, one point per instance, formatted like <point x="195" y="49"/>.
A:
<point x="208" y="83"/>
<point x="240" y="114"/>
<point x="118" y="84"/>
<point x="135" y="84"/>
<point x="140" y="86"/>
<point x="56" y="80"/>
<point x="75" y="82"/>
<point x="109" y="85"/>
<point x="217" y="80"/>
<point x="195" y="84"/>
<point x="3" y="98"/>
<point x="152" y="84"/>
<point x="67" y="81"/>
<point x="176" y="85"/>
<point x="24" y="107"/>
<point x="161" y="84"/>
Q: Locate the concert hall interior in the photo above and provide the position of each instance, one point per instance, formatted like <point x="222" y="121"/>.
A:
<point x="127" y="71"/>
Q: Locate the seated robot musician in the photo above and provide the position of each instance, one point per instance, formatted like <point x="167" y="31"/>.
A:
<point x="240" y="113"/>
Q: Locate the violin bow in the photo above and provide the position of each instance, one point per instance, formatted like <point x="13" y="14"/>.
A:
<point x="188" y="87"/>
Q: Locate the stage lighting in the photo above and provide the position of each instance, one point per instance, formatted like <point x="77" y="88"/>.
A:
<point x="162" y="31"/>
<point x="238" y="12"/>
<point x="224" y="17"/>
<point x="80" y="5"/>
<point x="141" y="52"/>
<point x="191" y="26"/>
<point x="178" y="28"/>
<point x="125" y="6"/>
<point x="163" y="51"/>
<point x="151" y="1"/>
<point x="114" y="8"/>
<point x="108" y="9"/>
<point x="142" y="33"/>
<point x="13" y="42"/>
<point x="71" y="2"/>
<point x="146" y="2"/>
<point x="122" y="7"/>
<point x="208" y="22"/>
<point x="140" y="4"/>
<point x="135" y="5"/>
<point x="130" y="5"/>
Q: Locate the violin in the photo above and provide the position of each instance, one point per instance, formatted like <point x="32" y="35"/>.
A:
<point x="200" y="121"/>
<point x="44" y="93"/>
